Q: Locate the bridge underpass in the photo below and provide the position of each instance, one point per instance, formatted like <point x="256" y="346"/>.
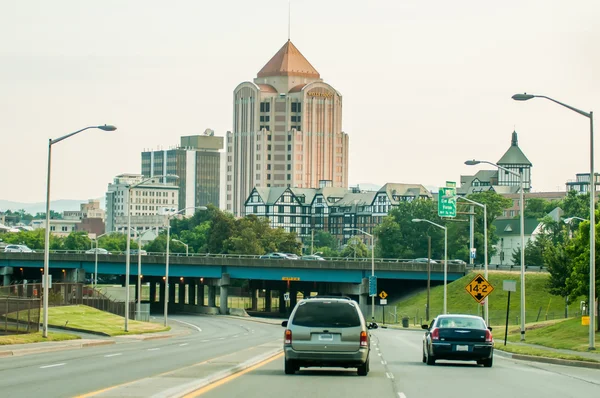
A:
<point x="202" y="284"/>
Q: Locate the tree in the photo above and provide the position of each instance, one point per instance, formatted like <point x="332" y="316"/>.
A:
<point x="576" y="205"/>
<point x="558" y="261"/>
<point x="389" y="238"/>
<point x="222" y="228"/>
<point x="355" y="248"/>
<point x="116" y="242"/>
<point x="325" y="239"/>
<point x="77" y="241"/>
<point x="33" y="239"/>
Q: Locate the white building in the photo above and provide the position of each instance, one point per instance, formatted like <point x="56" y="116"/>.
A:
<point x="149" y="203"/>
<point x="57" y="227"/>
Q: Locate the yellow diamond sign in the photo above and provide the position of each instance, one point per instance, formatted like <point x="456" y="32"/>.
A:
<point x="479" y="288"/>
<point x="383" y="295"/>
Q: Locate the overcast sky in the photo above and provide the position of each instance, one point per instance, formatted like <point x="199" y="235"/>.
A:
<point x="425" y="84"/>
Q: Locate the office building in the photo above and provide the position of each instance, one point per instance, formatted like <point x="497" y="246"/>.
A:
<point x="197" y="163"/>
<point x="287" y="130"/>
<point x="148" y="205"/>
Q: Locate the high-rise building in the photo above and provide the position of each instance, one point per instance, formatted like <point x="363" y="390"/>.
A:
<point x="149" y="203"/>
<point x="287" y="130"/>
<point x="197" y="163"/>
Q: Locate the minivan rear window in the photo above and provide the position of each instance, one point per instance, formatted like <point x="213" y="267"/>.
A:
<point x="326" y="314"/>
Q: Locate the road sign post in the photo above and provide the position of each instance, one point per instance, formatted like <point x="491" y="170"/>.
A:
<point x="509" y="286"/>
<point x="447" y="200"/>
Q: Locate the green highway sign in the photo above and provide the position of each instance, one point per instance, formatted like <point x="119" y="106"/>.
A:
<point x="447" y="200"/>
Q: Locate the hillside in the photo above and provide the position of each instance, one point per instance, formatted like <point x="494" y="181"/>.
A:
<point x="538" y="300"/>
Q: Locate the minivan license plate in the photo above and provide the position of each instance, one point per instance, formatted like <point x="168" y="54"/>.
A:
<point x="462" y="348"/>
<point x="326" y="337"/>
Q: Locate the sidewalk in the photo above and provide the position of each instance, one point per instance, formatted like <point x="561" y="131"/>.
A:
<point x="593" y="356"/>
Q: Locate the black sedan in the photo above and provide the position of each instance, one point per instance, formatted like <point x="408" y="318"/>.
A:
<point x="458" y="337"/>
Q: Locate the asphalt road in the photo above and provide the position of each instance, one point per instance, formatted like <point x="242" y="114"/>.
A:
<point x="75" y="372"/>
<point x="397" y="371"/>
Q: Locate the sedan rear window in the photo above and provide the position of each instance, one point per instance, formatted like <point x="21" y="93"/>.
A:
<point x="326" y="314"/>
<point x="462" y="322"/>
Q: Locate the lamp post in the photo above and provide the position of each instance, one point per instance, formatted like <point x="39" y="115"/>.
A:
<point x="46" y="276"/>
<point x="186" y="246"/>
<point x="569" y="220"/>
<point x="372" y="264"/>
<point x="485" y="248"/>
<point x="522" y="206"/>
<point x="445" y="259"/>
<point x="96" y="260"/>
<point x="166" y="310"/>
<point x="592" y="299"/>
<point x="127" y="251"/>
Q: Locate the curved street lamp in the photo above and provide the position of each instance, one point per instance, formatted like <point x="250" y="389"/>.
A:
<point x="445" y="259"/>
<point x="46" y="276"/>
<point x="592" y="294"/>
<point x="372" y="264"/>
<point x="522" y="208"/>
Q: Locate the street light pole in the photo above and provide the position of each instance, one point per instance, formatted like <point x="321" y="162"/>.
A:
<point x="96" y="262"/>
<point x="128" y="249"/>
<point x="592" y="294"/>
<point x="445" y="259"/>
<point x="166" y="309"/>
<point x="186" y="246"/>
<point x="372" y="264"/>
<point x="46" y="276"/>
<point x="522" y="208"/>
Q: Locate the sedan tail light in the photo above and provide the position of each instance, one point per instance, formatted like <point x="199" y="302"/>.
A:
<point x="435" y="334"/>
<point x="488" y="337"/>
<point x="288" y="337"/>
<point x="363" y="339"/>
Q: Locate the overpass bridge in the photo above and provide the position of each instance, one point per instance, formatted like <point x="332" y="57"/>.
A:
<point x="195" y="273"/>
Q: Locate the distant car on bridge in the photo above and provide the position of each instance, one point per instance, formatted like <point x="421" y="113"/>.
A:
<point x="142" y="252"/>
<point x="99" y="250"/>
<point x="18" y="249"/>
<point x="312" y="257"/>
<point x="423" y="260"/>
<point x="277" y="256"/>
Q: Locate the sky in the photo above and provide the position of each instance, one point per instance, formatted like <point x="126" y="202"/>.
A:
<point x="426" y="85"/>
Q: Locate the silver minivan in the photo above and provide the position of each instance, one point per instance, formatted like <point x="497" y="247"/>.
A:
<point x="327" y="332"/>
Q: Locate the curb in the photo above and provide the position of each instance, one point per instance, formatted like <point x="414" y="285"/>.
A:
<point x="221" y="375"/>
<point x="553" y="361"/>
<point x="80" y="330"/>
<point x="39" y="350"/>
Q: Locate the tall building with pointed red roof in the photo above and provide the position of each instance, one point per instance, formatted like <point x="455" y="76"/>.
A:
<point x="287" y="130"/>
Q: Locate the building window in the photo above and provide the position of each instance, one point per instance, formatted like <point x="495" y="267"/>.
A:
<point x="269" y="166"/>
<point x="289" y="166"/>
<point x="268" y="147"/>
<point x="289" y="157"/>
<point x="269" y="137"/>
<point x="296" y="107"/>
<point x="289" y="147"/>
<point x="289" y="137"/>
<point x="280" y="219"/>
<point x="268" y="176"/>
<point x="289" y="177"/>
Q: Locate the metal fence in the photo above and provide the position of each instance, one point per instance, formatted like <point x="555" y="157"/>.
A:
<point x="19" y="315"/>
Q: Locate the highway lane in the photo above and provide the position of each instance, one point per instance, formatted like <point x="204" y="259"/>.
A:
<point x="74" y="372"/>
<point x="398" y="372"/>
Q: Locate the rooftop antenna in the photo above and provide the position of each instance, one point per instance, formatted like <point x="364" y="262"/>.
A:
<point x="289" y="18"/>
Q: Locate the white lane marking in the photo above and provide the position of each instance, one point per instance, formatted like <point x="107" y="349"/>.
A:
<point x="383" y="362"/>
<point x="377" y="348"/>
<point x="52" y="366"/>
<point x="153" y="349"/>
<point x="379" y="353"/>
<point x="184" y="344"/>
<point x="189" y="324"/>
<point x="221" y="338"/>
<point x="401" y="395"/>
<point x="389" y="375"/>
<point x="113" y="355"/>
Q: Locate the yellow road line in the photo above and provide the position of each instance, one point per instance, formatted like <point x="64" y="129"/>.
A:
<point x="231" y="377"/>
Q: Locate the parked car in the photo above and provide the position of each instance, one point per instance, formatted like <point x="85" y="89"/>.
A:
<point x="134" y="252"/>
<point x="100" y="251"/>
<point x="312" y="257"/>
<point x="458" y="337"/>
<point x="277" y="256"/>
<point x="292" y="256"/>
<point x="327" y="332"/>
<point x="457" y="261"/>
<point x="18" y="249"/>
<point x="423" y="260"/>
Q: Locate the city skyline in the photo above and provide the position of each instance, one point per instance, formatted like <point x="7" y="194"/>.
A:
<point x="425" y="87"/>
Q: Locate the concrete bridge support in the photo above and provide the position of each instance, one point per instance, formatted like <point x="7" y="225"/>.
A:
<point x="268" y="299"/>
<point x="211" y="295"/>
<point x="181" y="298"/>
<point x="192" y="293"/>
<point x="363" y="298"/>
<point x="223" y="297"/>
<point x="200" y="294"/>
<point x="171" y="294"/>
<point x="152" y="290"/>
<point x="254" y="299"/>
<point x="282" y="303"/>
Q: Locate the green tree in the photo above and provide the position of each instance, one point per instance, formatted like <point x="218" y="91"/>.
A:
<point x="222" y="228"/>
<point x="558" y="261"/>
<point x="77" y="241"/>
<point x="159" y="244"/>
<point x="355" y="248"/>
<point x="325" y="239"/>
<point x="33" y="239"/>
<point x="116" y="242"/>
<point x="576" y="205"/>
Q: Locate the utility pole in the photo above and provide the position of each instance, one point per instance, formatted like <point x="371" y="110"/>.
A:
<point x="471" y="233"/>
<point x="312" y="240"/>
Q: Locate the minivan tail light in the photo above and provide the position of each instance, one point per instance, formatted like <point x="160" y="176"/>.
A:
<point x="435" y="334"/>
<point x="488" y="337"/>
<point x="288" y="337"/>
<point x="363" y="339"/>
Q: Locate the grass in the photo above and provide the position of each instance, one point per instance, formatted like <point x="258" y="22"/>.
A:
<point x="567" y="335"/>
<point x="35" y="338"/>
<point x="540" y="352"/>
<point x="88" y="318"/>
<point x="538" y="300"/>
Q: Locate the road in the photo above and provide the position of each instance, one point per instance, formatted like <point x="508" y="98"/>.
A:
<point x="75" y="372"/>
<point x="397" y="372"/>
